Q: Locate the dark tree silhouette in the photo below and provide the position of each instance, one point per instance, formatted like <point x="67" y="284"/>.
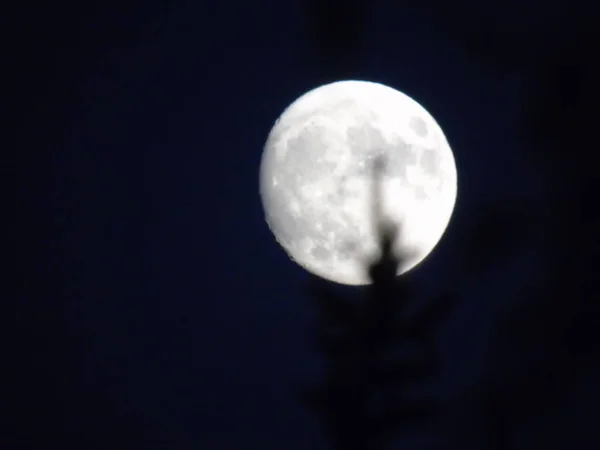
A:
<point x="545" y="341"/>
<point x="357" y="402"/>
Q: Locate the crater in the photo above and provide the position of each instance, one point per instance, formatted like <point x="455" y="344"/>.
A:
<point x="420" y="193"/>
<point x="401" y="156"/>
<point x="430" y="162"/>
<point x="346" y="248"/>
<point x="319" y="252"/>
<point x="418" y="125"/>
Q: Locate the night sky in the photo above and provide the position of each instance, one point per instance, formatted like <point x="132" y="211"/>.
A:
<point x="154" y="308"/>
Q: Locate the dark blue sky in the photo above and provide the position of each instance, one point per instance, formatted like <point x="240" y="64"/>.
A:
<point x="179" y="322"/>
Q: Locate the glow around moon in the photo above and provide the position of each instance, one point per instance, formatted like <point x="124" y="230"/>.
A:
<point x="315" y="178"/>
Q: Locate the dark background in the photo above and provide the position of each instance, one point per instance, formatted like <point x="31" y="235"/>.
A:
<point x="153" y="307"/>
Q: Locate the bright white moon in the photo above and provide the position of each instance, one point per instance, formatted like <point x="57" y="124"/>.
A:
<point x="315" y="178"/>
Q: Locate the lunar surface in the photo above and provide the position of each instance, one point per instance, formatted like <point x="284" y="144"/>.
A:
<point x="316" y="178"/>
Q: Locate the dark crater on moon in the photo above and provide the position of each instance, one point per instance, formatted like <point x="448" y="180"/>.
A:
<point x="321" y="253"/>
<point x="346" y="248"/>
<point x="418" y="125"/>
<point x="430" y="162"/>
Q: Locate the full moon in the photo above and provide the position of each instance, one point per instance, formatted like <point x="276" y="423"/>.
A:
<point x="316" y="178"/>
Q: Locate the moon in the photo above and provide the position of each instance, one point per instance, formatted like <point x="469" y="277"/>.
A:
<point x="316" y="179"/>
